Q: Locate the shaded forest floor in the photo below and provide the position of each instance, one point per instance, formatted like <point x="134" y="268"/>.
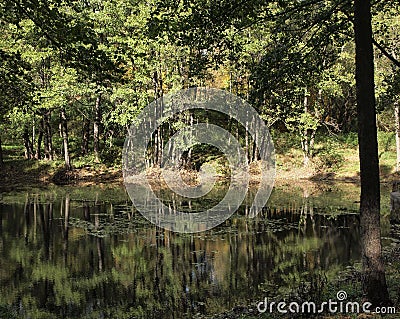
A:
<point x="21" y="173"/>
<point x="335" y="158"/>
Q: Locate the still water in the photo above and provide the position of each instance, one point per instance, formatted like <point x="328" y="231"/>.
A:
<point x="86" y="253"/>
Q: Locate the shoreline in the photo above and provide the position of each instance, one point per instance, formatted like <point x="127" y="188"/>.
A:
<point x="19" y="177"/>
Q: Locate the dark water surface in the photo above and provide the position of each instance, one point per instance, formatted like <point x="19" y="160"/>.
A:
<point x="86" y="253"/>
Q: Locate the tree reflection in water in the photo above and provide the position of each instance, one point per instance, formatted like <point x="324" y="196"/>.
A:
<point x="63" y="255"/>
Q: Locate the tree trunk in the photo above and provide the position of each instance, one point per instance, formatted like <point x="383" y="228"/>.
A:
<point x="39" y="143"/>
<point x="48" y="136"/>
<point x="64" y="133"/>
<point x="45" y="137"/>
<point x="246" y="141"/>
<point x="397" y="126"/>
<point x="28" y="145"/>
<point x="96" y="129"/>
<point x="374" y="280"/>
<point x="312" y="142"/>
<point x="158" y="92"/>
<point x="304" y="143"/>
<point x="1" y="155"/>
<point x="85" y="136"/>
<point x="33" y="133"/>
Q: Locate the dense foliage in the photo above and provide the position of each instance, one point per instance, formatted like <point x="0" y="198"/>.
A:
<point x="74" y="74"/>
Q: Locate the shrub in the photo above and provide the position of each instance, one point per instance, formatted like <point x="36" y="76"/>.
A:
<point x="328" y="159"/>
<point x="111" y="156"/>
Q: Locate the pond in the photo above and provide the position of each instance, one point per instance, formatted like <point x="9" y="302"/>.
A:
<point x="85" y="252"/>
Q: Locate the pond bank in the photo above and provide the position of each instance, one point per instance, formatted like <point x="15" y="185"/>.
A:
<point x="21" y="174"/>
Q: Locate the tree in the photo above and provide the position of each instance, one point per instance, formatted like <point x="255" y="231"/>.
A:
<point x="374" y="280"/>
<point x="386" y="26"/>
<point x="15" y="88"/>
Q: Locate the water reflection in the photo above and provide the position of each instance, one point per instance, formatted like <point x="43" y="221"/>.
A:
<point x="63" y="255"/>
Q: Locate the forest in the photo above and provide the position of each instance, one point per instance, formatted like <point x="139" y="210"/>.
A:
<point x="322" y="74"/>
<point x="74" y="74"/>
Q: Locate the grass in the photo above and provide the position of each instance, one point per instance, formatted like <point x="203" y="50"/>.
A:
<point x="335" y="156"/>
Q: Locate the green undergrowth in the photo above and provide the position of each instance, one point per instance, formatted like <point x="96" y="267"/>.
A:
<point x="333" y="157"/>
<point x="333" y="154"/>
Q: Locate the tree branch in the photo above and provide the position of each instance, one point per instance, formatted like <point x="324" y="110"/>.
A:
<point x="37" y="23"/>
<point x="385" y="53"/>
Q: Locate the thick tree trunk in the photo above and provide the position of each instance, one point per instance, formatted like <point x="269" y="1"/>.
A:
<point x="374" y="281"/>
<point x="397" y="126"/>
<point x="64" y="133"/>
<point x="96" y="129"/>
